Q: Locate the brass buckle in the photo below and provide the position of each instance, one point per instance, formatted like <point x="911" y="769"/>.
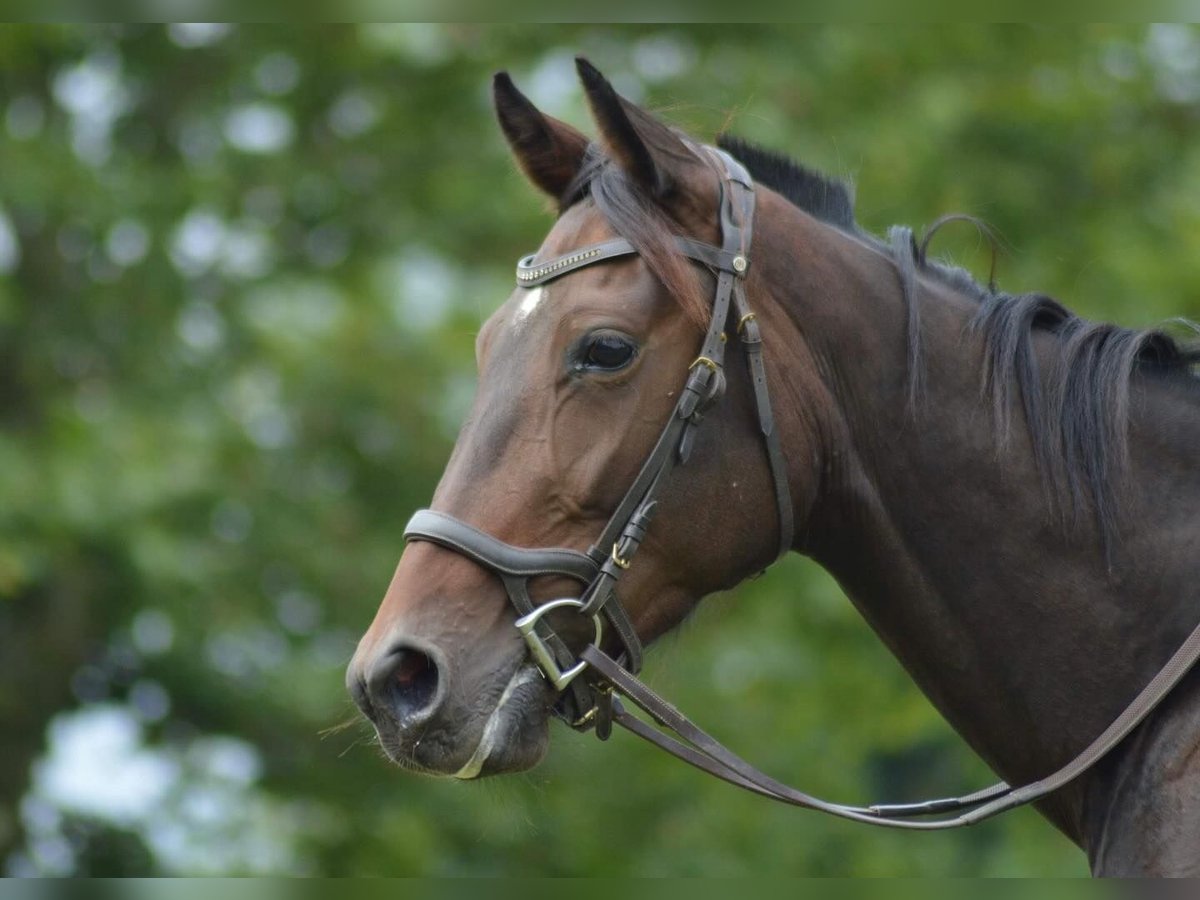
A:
<point x="527" y="625"/>
<point x="601" y="714"/>
<point x="748" y="317"/>
<point x="586" y="718"/>
<point x="616" y="557"/>
<point x="706" y="362"/>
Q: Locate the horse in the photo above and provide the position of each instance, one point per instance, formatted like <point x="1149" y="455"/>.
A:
<point x="1005" y="491"/>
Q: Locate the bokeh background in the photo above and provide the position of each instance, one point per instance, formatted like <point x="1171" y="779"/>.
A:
<point x="241" y="269"/>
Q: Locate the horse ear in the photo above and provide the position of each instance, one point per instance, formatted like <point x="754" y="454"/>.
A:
<point x="549" y="152"/>
<point x="644" y="147"/>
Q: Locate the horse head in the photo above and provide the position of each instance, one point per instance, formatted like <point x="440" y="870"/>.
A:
<point x="565" y="446"/>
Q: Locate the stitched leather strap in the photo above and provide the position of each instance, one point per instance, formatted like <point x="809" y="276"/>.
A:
<point x="531" y="274"/>
<point x="490" y="552"/>
<point x="701" y="750"/>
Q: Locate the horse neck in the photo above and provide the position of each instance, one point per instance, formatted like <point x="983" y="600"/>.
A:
<point x="1014" y="626"/>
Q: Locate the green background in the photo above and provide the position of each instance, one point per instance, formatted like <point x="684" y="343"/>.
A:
<point x="241" y="270"/>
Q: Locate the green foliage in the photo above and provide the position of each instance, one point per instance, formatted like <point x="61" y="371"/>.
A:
<point x="241" y="271"/>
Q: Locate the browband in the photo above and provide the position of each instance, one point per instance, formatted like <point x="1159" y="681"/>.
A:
<point x="531" y="274"/>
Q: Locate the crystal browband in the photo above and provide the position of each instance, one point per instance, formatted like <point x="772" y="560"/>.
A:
<point x="527" y="272"/>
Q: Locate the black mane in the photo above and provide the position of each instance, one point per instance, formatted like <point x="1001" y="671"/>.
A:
<point x="1077" y="412"/>
<point x="828" y="199"/>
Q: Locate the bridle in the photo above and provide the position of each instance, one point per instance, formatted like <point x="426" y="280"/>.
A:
<point x="601" y="567"/>
<point x="590" y="700"/>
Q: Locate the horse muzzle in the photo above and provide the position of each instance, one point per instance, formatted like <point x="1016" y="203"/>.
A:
<point x="433" y="721"/>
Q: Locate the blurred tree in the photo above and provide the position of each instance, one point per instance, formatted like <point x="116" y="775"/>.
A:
<point x="236" y="327"/>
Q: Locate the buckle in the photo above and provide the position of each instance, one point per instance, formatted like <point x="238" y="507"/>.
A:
<point x="600" y="716"/>
<point x="527" y="625"/>
<point x="585" y="721"/>
<point x="620" y="561"/>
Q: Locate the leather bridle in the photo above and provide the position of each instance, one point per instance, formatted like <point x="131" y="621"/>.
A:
<point x="590" y="701"/>
<point x="601" y="567"/>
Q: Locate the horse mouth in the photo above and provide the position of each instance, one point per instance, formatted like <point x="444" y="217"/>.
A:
<point x="514" y="735"/>
<point x="503" y="724"/>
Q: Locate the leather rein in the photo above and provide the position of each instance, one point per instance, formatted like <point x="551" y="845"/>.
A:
<point x="591" y="702"/>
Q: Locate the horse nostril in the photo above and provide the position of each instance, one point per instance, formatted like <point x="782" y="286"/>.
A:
<point x="406" y="682"/>
<point x="416" y="679"/>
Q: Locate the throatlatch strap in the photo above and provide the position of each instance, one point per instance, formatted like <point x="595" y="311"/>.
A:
<point x="737" y="236"/>
<point x="751" y="338"/>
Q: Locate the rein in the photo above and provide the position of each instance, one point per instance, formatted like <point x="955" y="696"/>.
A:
<point x="592" y="700"/>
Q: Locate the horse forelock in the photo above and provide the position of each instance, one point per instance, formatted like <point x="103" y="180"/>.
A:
<point x="641" y="219"/>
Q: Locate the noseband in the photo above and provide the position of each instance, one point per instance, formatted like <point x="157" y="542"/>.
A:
<point x="590" y="700"/>
<point x="599" y="570"/>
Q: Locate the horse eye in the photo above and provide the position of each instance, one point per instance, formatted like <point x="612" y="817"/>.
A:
<point x="608" y="352"/>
